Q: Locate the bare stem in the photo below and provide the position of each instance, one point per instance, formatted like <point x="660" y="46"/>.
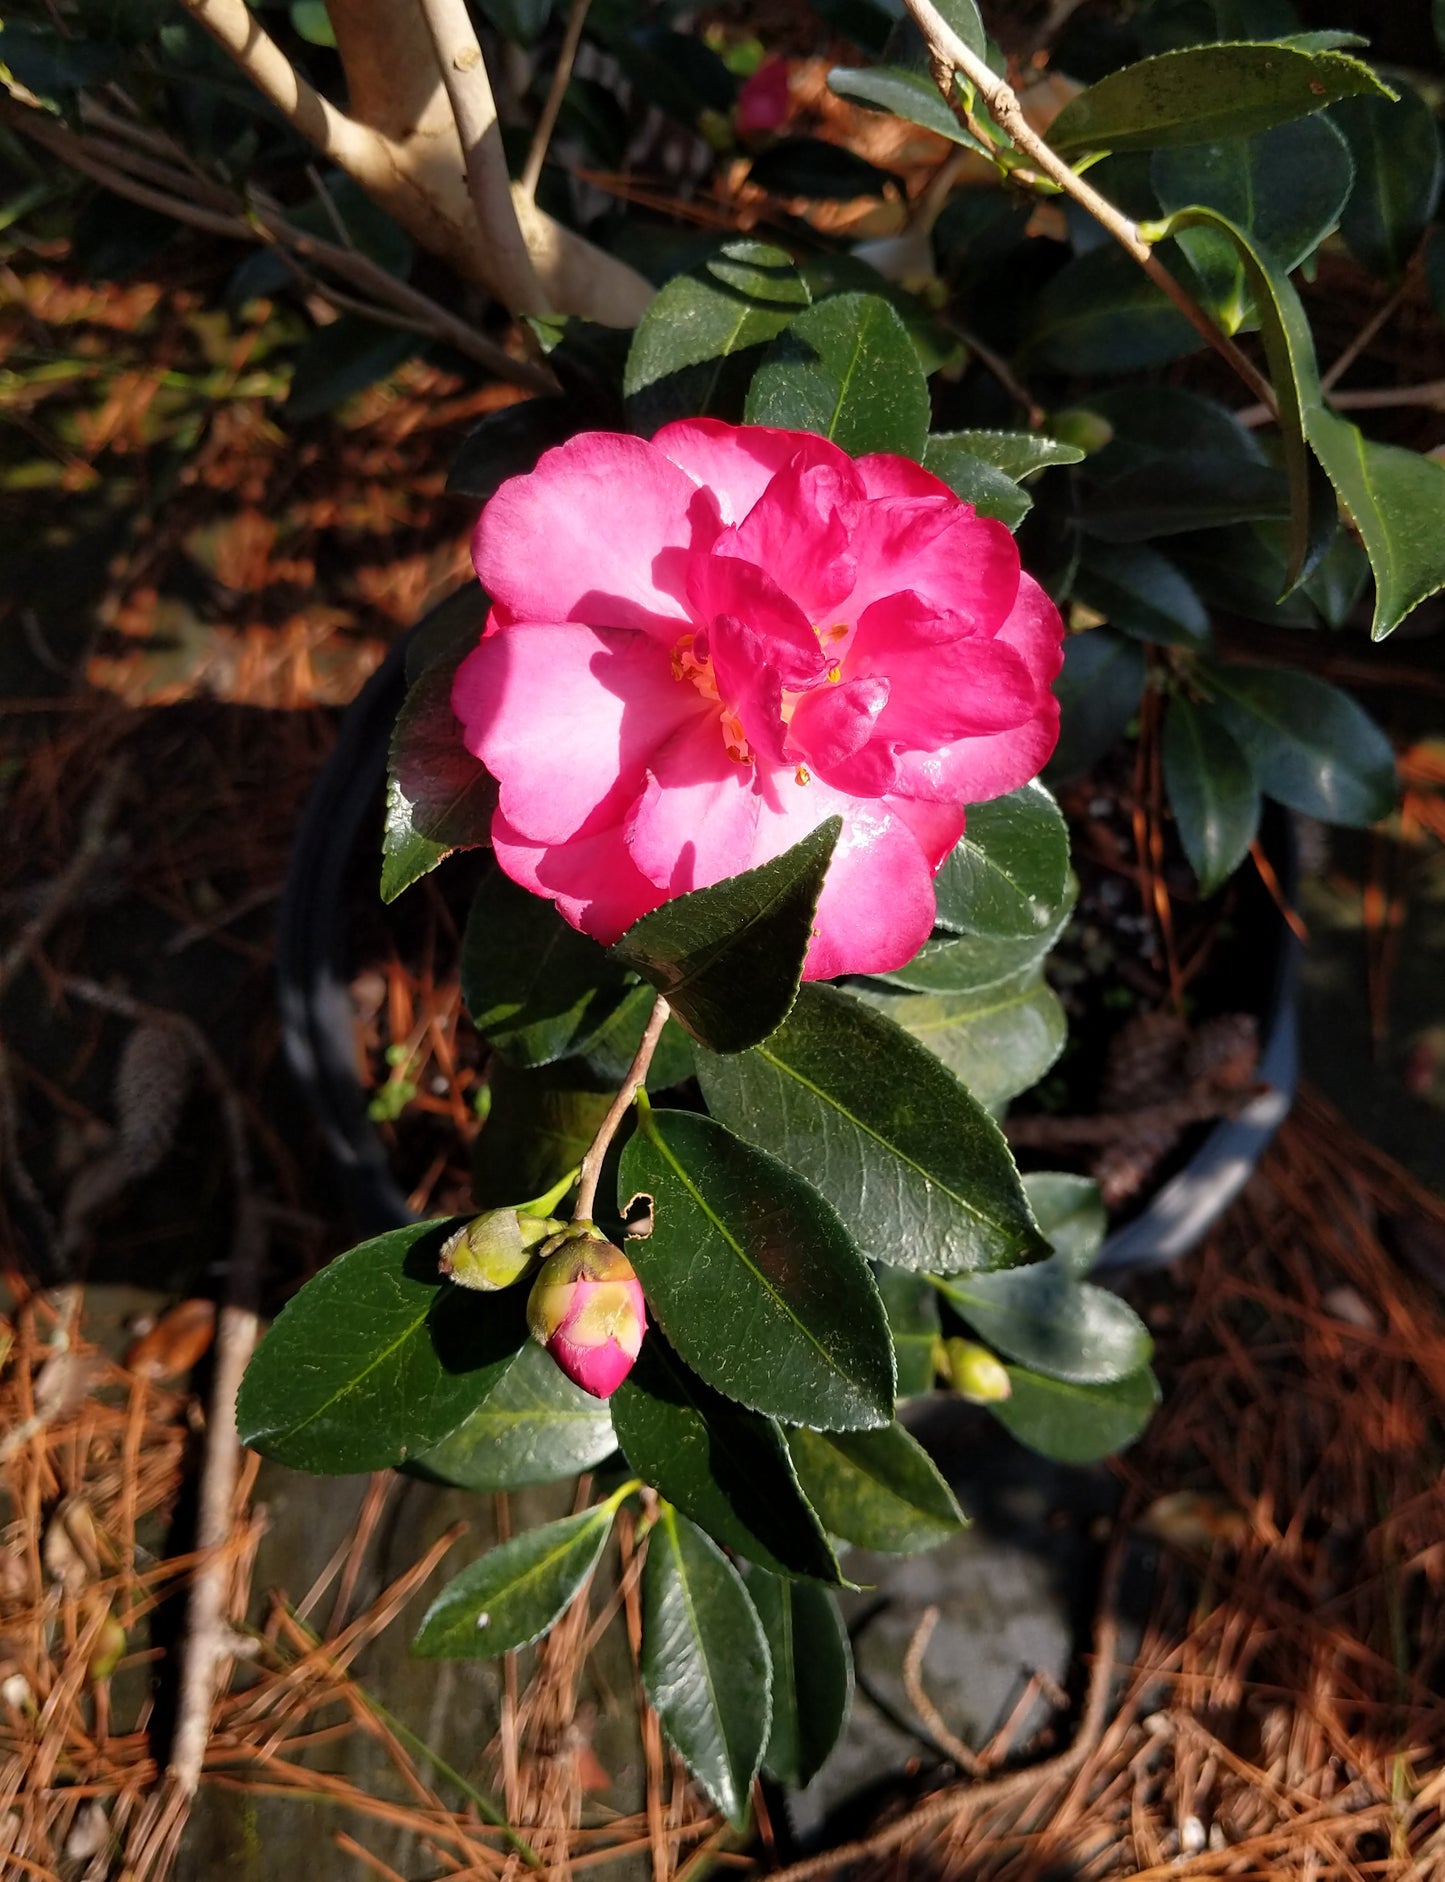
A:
<point x="949" y="55"/>
<point x="620" y="1106"/>
<point x="556" y="92"/>
<point x="1430" y="395"/>
<point x="464" y="73"/>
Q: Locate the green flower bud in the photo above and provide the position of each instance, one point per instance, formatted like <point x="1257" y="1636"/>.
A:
<point x="495" y="1248"/>
<point x="974" y="1373"/>
<point x="1086" y="430"/>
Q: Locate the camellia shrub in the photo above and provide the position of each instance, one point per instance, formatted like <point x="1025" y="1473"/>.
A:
<point x="751" y="703"/>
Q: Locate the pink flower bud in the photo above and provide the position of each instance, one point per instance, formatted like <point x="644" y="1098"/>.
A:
<point x="586" y="1308"/>
<point x="763" y="100"/>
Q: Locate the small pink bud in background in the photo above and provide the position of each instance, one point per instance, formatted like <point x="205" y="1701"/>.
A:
<point x="763" y="101"/>
<point x="586" y="1308"/>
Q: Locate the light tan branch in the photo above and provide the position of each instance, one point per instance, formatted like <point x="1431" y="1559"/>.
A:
<point x="1429" y="394"/>
<point x="949" y="55"/>
<point x="464" y="73"/>
<point x="349" y="144"/>
<point x="617" y="1110"/>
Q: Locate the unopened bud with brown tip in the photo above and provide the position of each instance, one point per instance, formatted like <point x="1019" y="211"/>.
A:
<point x="495" y="1248"/>
<point x="974" y="1372"/>
<point x="586" y="1308"/>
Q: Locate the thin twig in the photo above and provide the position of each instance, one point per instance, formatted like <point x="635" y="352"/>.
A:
<point x="61" y="890"/>
<point x="621" y="1104"/>
<point x="949" y="55"/>
<point x="464" y="73"/>
<point x="264" y="222"/>
<point x="556" y="92"/>
<point x="1430" y="395"/>
<point x="934" y="1722"/>
<point x="1338" y="368"/>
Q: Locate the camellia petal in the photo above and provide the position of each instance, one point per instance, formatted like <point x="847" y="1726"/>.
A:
<point x="799" y="531"/>
<point x="736" y="463"/>
<point x="697" y="818"/>
<point x="966" y="564"/>
<point x="598" y="532"/>
<point x="591" y="878"/>
<point x="943" y="685"/>
<point x="566" y="718"/>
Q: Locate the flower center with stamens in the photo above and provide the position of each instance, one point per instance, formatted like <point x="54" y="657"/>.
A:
<point x="691" y="661"/>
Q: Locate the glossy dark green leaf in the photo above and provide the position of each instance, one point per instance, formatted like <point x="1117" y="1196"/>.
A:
<point x="847" y="370"/>
<point x="1289" y="351"/>
<point x="1286" y="187"/>
<point x="963" y="16"/>
<point x="1015" y="453"/>
<point x="752" y="1276"/>
<point x="1149" y="423"/>
<point x="1102" y="313"/>
<point x="912" y="1309"/>
<point x="1008" y="875"/>
<point x="729" y="958"/>
<point x="1098" y="693"/>
<point x="438" y="797"/>
<point x="1212" y="792"/>
<point x="377" y="1359"/>
<point x="1193" y="490"/>
<point x="725" y="1467"/>
<point x="978" y="482"/>
<point x="1393" y="495"/>
<point x="1070" y="1211"/>
<point x="733" y="303"/>
<point x="536" y="989"/>
<point x="878" y="1489"/>
<point x="816" y="171"/>
<point x="509" y="442"/>
<point x="1396" y="148"/>
<point x="678" y="72"/>
<point x="1199" y="94"/>
<point x="539" y="1126"/>
<point x="514" y="1593"/>
<point x="904" y="92"/>
<point x="1076" y="1424"/>
<point x="1309" y="744"/>
<point x="911" y="1161"/>
<point x="1141" y="593"/>
<point x="996" y="1044"/>
<point x="534" y="1426"/>
<point x="343" y="359"/>
<point x="812" y="1674"/>
<point x="979" y="965"/>
<point x="1396" y="499"/>
<point x="1049" y="1321"/>
<point x="705" y="1663"/>
<point x="1243" y="569"/>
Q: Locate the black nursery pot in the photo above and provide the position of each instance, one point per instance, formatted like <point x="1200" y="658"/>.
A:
<point x="340" y="831"/>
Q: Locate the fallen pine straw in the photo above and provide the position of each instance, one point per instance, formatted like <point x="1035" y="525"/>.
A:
<point x="1282" y="1715"/>
<point x="1278" y="1717"/>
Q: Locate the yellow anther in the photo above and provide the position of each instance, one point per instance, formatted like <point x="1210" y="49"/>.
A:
<point x="802" y="775"/>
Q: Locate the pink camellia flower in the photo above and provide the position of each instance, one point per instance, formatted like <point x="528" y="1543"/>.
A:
<point x="586" y="1308"/>
<point x="702" y="647"/>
